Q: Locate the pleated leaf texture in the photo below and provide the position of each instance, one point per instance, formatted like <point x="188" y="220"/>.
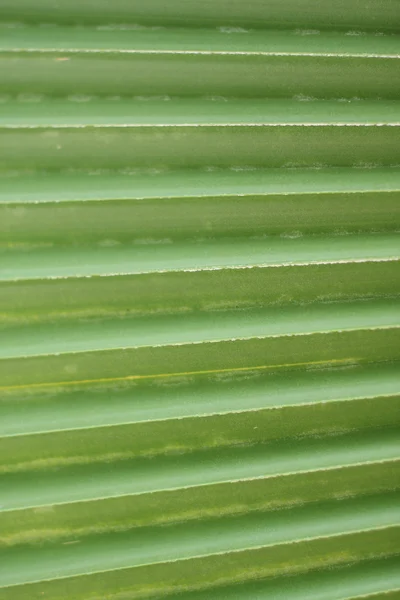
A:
<point x="199" y="283"/>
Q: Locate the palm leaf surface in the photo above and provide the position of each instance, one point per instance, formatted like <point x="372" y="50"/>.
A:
<point x="198" y="300"/>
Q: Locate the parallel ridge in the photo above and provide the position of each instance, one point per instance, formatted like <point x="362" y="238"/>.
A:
<point x="199" y="282"/>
